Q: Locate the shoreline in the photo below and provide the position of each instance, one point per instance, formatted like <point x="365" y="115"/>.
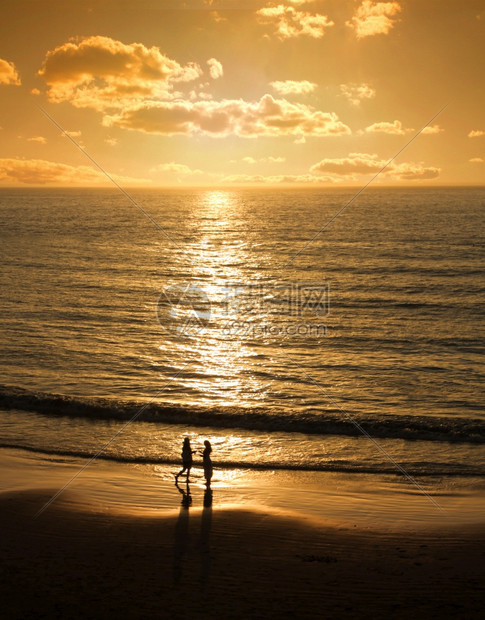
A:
<point x="367" y="501"/>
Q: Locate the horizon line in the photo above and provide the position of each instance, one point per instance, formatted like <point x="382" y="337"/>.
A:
<point x="248" y="186"/>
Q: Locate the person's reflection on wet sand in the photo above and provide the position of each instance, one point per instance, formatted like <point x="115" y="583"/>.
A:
<point x="205" y="530"/>
<point x="181" y="532"/>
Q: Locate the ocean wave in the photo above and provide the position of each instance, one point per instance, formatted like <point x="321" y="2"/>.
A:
<point x="411" y="468"/>
<point x="312" y="422"/>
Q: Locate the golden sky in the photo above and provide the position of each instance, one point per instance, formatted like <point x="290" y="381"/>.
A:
<point x="253" y="92"/>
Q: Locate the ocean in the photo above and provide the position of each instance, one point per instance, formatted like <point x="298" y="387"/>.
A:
<point x="208" y="313"/>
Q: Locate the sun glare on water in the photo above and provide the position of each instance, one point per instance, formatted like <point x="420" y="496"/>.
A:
<point x="220" y="361"/>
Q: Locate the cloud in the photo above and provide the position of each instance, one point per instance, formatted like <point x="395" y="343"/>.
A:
<point x="355" y="93"/>
<point x="373" y="18"/>
<point x="259" y="179"/>
<point x="291" y="87"/>
<point x="288" y="22"/>
<point x="39" y="139"/>
<point x="432" y="129"/>
<point x="8" y="73"/>
<point x="356" y="164"/>
<point x="176" y="168"/>
<point x="217" y="17"/>
<point x="413" y="172"/>
<point x="111" y="141"/>
<point x="264" y="160"/>
<point x="476" y="133"/>
<point x="340" y="170"/>
<point x="215" y="68"/>
<point x="266" y="117"/>
<point x="101" y="72"/>
<point x="476" y="160"/>
<point x="395" y="128"/>
<point x="43" y="172"/>
<point x="74" y="134"/>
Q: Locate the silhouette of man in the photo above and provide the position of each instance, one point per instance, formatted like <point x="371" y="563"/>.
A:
<point x="187" y="460"/>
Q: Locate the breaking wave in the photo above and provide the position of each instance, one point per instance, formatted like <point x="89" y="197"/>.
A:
<point x="313" y="422"/>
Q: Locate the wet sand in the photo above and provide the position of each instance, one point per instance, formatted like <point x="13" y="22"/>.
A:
<point x="210" y="562"/>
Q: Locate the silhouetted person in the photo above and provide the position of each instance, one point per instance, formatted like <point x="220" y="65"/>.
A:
<point x="186" y="459"/>
<point x="207" y="463"/>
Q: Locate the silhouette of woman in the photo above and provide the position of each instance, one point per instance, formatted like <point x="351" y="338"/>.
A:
<point x="207" y="462"/>
<point x="186" y="459"/>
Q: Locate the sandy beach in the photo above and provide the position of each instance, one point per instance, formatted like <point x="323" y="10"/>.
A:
<point x="83" y="558"/>
<point x="228" y="564"/>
